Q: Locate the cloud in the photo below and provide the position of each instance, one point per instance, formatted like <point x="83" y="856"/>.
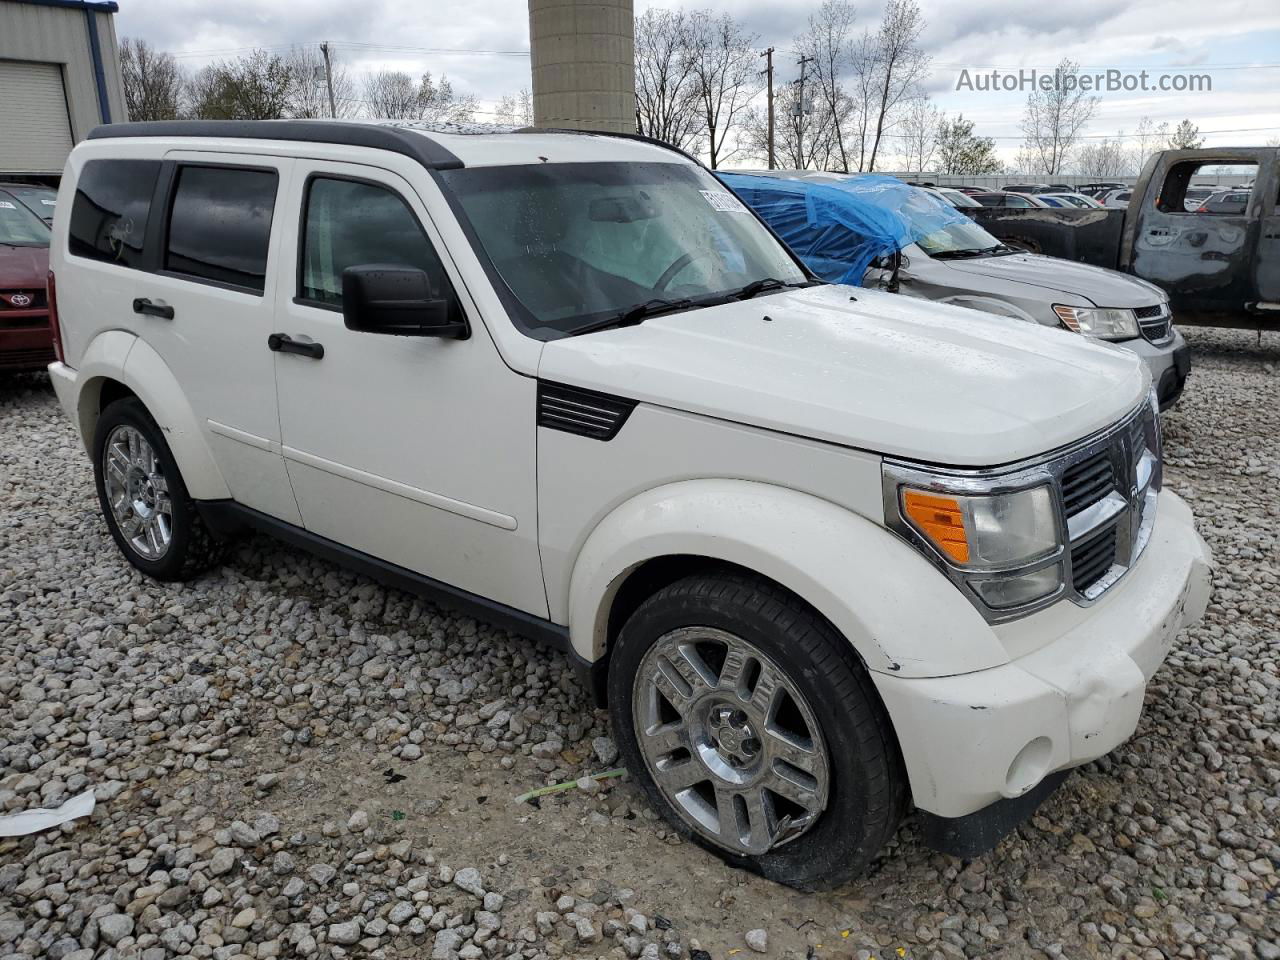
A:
<point x="978" y="34"/>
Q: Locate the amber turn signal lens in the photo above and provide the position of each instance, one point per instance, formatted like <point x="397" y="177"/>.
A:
<point x="940" y="519"/>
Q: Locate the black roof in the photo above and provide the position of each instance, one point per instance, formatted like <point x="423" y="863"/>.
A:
<point x="408" y="142"/>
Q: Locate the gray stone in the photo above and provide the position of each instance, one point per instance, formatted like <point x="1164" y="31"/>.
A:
<point x="115" y="927"/>
<point x="468" y="879"/>
<point x="344" y="933"/>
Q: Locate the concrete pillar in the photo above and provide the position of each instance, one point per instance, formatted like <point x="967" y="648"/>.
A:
<point x="583" y="54"/>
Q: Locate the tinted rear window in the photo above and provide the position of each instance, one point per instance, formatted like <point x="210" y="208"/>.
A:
<point x="109" y="213"/>
<point x="220" y="225"/>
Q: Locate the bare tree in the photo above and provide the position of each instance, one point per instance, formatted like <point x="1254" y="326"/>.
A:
<point x="309" y="97"/>
<point x="1053" y="120"/>
<point x="725" y="76"/>
<point x="1105" y="158"/>
<point x="921" y="123"/>
<point x="254" y="87"/>
<point x="900" y="64"/>
<point x="863" y="92"/>
<point x="515" y="109"/>
<point x="1148" y="138"/>
<point x="391" y="94"/>
<point x="666" y="88"/>
<point x="790" y="147"/>
<point x="960" y="152"/>
<point x="828" y="44"/>
<point x="153" y="81"/>
<point x="395" y="95"/>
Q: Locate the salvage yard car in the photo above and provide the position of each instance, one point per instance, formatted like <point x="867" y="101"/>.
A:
<point x="823" y="551"/>
<point x="25" y="343"/>
<point x="839" y="222"/>
<point x="1220" y="266"/>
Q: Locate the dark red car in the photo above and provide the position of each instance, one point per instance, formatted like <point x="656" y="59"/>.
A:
<point x="26" y="342"/>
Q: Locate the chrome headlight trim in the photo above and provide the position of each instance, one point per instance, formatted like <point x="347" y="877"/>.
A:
<point x="1129" y="507"/>
<point x="1102" y="323"/>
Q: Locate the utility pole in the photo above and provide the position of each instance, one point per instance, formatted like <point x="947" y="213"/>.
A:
<point x="804" y="62"/>
<point x="768" y="70"/>
<point x="328" y="80"/>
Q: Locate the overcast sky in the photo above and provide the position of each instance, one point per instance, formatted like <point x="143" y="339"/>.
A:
<point x="1228" y="40"/>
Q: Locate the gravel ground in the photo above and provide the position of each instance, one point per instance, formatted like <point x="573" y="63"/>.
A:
<point x="291" y="761"/>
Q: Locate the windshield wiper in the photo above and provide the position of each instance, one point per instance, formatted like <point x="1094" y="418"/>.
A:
<point x="758" y="286"/>
<point x="636" y="314"/>
<point x="765" y="284"/>
<point x="968" y="252"/>
<point x="959" y="254"/>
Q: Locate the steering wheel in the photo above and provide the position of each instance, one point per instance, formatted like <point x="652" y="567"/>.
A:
<point x="677" y="265"/>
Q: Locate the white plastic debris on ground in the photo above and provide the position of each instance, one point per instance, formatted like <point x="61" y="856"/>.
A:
<point x="33" y="821"/>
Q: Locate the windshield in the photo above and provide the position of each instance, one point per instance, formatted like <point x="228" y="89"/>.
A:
<point x="919" y="208"/>
<point x="39" y="200"/>
<point x="575" y="243"/>
<point x="19" y="227"/>
<point x="960" y="200"/>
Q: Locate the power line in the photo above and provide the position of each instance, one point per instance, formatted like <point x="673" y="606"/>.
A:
<point x="352" y="44"/>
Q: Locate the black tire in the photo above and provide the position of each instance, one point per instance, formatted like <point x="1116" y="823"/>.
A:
<point x="867" y="792"/>
<point x="193" y="548"/>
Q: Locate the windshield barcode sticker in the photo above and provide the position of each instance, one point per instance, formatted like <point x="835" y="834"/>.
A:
<point x="50" y="203"/>
<point x="723" y="202"/>
<point x="6" y="205"/>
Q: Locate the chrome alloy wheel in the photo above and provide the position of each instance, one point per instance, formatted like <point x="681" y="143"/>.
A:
<point x="730" y="741"/>
<point x="137" y="492"/>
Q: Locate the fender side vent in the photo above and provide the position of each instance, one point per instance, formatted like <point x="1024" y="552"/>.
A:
<point x="584" y="412"/>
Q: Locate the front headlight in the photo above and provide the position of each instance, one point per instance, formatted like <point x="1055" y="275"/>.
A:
<point x="984" y="531"/>
<point x="1105" y="323"/>
<point x="999" y="539"/>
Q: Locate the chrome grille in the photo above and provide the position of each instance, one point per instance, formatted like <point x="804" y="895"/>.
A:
<point x="1109" y="520"/>
<point x="22" y="300"/>
<point x="1155" y="322"/>
<point x="1087" y="482"/>
<point x="1093" y="557"/>
<point x="1104" y="487"/>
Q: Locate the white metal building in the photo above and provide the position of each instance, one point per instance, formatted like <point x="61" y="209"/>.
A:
<point x="59" y="78"/>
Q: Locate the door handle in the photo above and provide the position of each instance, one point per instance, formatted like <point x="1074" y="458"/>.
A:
<point x="161" y="310"/>
<point x="283" y="343"/>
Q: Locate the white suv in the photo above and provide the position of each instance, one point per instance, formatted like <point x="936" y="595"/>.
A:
<point x="822" y="550"/>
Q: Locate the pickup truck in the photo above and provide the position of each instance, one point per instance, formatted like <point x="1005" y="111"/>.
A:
<point x="1219" y="269"/>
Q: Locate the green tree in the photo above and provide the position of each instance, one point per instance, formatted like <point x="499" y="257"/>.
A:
<point x="257" y="87"/>
<point x="1186" y="137"/>
<point x="959" y="151"/>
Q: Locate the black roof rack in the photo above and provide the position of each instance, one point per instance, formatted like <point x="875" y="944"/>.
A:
<point x="639" y="137"/>
<point x="408" y="142"/>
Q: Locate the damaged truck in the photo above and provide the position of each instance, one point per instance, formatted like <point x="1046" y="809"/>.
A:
<point x="1220" y="269"/>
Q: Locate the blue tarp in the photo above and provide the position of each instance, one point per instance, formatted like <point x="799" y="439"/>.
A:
<point x="839" y="226"/>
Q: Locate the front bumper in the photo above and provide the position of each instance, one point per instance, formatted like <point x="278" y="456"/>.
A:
<point x="26" y="342"/>
<point x="972" y="740"/>
<point x="1168" y="363"/>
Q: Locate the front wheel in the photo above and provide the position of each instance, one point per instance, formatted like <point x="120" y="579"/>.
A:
<point x="753" y="726"/>
<point x="152" y="518"/>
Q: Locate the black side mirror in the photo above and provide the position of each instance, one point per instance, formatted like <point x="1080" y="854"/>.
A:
<point x="398" y="301"/>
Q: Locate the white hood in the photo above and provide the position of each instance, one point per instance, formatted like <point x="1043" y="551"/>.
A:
<point x="892" y="375"/>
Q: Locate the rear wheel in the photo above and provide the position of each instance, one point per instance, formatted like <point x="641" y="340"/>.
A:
<point x="753" y="726"/>
<point x="152" y="518"/>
